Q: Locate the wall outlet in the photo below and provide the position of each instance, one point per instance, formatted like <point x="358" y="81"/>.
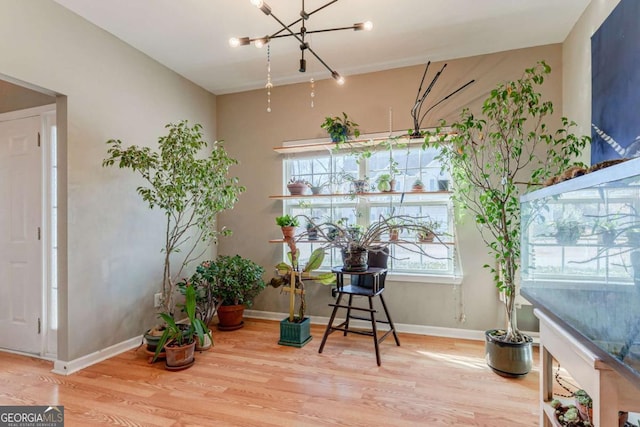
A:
<point x="157" y="300"/>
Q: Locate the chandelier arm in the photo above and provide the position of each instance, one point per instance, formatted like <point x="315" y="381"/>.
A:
<point x="279" y="36"/>
<point x="301" y="41"/>
<point x="276" y="34"/>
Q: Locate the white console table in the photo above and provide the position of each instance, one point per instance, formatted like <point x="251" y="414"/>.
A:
<point x="610" y="391"/>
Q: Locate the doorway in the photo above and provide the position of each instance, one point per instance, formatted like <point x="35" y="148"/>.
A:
<point x="28" y="285"/>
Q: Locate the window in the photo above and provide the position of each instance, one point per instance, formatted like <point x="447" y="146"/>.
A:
<point x="334" y="172"/>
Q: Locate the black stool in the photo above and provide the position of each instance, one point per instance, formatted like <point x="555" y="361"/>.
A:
<point x="377" y="276"/>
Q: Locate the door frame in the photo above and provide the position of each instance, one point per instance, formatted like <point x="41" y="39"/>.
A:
<point x="47" y="114"/>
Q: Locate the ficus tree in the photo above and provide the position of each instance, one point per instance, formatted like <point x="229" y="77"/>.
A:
<point x="496" y="156"/>
<point x="188" y="180"/>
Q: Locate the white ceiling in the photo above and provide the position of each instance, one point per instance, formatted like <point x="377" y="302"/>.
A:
<point x="191" y="36"/>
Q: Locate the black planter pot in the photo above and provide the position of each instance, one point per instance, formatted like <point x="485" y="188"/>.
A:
<point x="354" y="259"/>
<point x="508" y="359"/>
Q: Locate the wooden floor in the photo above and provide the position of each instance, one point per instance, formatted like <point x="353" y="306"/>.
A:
<point x="247" y="379"/>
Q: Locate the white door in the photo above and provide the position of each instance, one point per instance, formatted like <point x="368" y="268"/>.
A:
<point x="20" y="235"/>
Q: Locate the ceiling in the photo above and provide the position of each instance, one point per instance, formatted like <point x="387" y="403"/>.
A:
<point x="191" y="36"/>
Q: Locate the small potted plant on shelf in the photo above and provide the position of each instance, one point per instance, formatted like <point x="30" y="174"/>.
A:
<point x="385" y="182"/>
<point x="417" y="186"/>
<point x="288" y="224"/>
<point x="340" y="128"/>
<point x="297" y="186"/>
<point x="317" y="187"/>
<point x="430" y="228"/>
<point x="312" y="231"/>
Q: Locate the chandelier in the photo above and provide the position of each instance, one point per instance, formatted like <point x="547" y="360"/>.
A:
<point x="300" y="36"/>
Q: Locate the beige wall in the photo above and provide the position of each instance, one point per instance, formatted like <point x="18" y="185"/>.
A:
<point x="113" y="91"/>
<point x="14" y="97"/>
<point x="367" y="98"/>
<point x="576" y="56"/>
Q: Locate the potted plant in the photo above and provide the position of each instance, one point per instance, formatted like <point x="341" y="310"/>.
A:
<point x="236" y="281"/>
<point x="288" y="224"/>
<point x="188" y="179"/>
<point x="417" y="186"/>
<point x="297" y="186"/>
<point x="568" y="231"/>
<point x="340" y="128"/>
<point x="316" y="187"/>
<point x="385" y="183"/>
<point x="490" y="156"/>
<point x="355" y="243"/>
<point x="430" y="228"/>
<point x="295" y="330"/>
<point x="179" y="339"/>
<point x="206" y="304"/>
<point x="606" y="230"/>
<point x="312" y="231"/>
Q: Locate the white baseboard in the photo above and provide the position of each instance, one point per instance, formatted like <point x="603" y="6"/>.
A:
<point x="62" y="367"/>
<point x="436" y="331"/>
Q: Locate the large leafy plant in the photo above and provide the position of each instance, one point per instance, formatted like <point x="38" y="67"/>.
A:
<point x="233" y="279"/>
<point x="495" y="157"/>
<point x="188" y="179"/>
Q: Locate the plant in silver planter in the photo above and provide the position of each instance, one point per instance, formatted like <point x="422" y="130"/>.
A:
<point x="493" y="158"/>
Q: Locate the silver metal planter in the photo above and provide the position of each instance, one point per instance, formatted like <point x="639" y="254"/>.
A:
<point x="508" y="359"/>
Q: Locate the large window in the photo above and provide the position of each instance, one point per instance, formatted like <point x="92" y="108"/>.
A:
<point x="334" y="171"/>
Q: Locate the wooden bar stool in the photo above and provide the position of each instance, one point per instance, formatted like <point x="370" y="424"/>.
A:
<point x="362" y="288"/>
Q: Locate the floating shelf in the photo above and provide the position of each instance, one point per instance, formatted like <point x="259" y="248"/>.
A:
<point x="367" y="194"/>
<point x="372" y="140"/>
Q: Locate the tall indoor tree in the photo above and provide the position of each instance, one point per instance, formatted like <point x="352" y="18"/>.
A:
<point x="495" y="157"/>
<point x="188" y="179"/>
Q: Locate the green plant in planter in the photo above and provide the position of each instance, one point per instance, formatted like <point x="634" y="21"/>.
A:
<point x="183" y="333"/>
<point x="189" y="183"/>
<point x="340" y="128"/>
<point x="234" y="280"/>
<point x="568" y="231"/>
<point x="292" y="271"/>
<point x="287" y="221"/>
<point x="494" y="157"/>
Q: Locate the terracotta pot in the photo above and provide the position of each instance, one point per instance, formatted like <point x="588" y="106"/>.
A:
<point x="394" y="234"/>
<point x="230" y="317"/>
<point x="297" y="189"/>
<point x="288" y="231"/>
<point x="179" y="357"/>
<point x="428" y="238"/>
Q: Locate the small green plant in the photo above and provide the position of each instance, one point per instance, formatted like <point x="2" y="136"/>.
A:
<point x="340" y="128"/>
<point x="384" y="182"/>
<point x="180" y="334"/>
<point x="287" y="221"/>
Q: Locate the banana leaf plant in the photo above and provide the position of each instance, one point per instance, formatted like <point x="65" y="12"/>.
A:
<point x="286" y="274"/>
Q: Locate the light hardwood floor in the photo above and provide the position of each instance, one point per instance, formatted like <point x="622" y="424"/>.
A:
<point x="247" y="379"/>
